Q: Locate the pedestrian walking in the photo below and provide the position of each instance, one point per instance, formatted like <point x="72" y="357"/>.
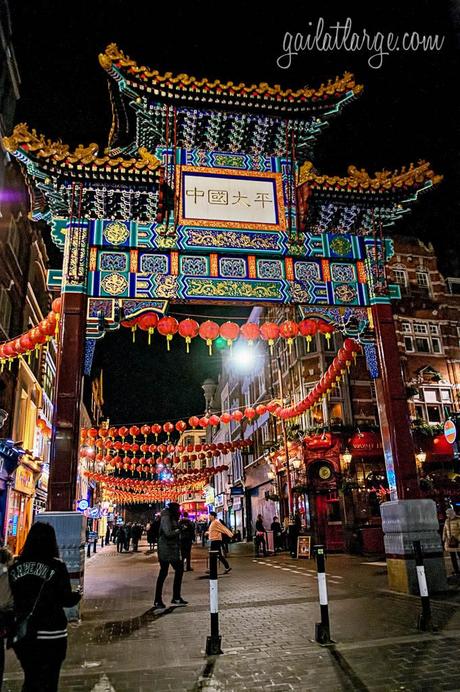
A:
<point x="451" y="537"/>
<point x="259" y="539"/>
<point x="40" y="584"/>
<point x="128" y="535"/>
<point x="6" y="605"/>
<point x="187" y="536"/>
<point x="121" y="539"/>
<point x="215" y="531"/>
<point x="225" y="540"/>
<point x="114" y="533"/>
<point x="169" y="554"/>
<point x="136" y="534"/>
<point x="151" y="538"/>
<point x="277" y="534"/>
<point x="107" y="535"/>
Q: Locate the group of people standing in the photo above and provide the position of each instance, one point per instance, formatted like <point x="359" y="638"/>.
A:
<point x="284" y="535"/>
<point x="123" y="534"/>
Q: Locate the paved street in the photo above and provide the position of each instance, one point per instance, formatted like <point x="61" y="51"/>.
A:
<point x="268" y="608"/>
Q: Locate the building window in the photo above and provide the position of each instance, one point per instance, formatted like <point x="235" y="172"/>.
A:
<point x="434" y="414"/>
<point x="409" y="344"/>
<point x="434" y="329"/>
<point x="5" y="311"/>
<point x="400" y="277"/>
<point x="423" y="282"/>
<point x="422" y="345"/>
<point x="406" y="327"/>
<point x="420" y="328"/>
<point x="14" y="238"/>
<point x="436" y="345"/>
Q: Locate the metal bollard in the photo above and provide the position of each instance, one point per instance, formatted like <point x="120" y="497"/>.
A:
<point x="322" y="629"/>
<point x="213" y="643"/>
<point x="95" y="545"/>
<point x="425" y="621"/>
<point x="88" y="550"/>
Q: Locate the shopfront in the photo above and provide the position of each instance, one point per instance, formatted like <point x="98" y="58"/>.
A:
<point x="20" y="507"/>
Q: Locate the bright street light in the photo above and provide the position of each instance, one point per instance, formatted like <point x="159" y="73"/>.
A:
<point x="243" y="357"/>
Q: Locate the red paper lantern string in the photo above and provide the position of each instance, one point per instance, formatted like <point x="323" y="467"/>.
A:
<point x="147" y="322"/>
<point x="209" y="331"/>
<point x="229" y="331"/>
<point x="167" y="327"/>
<point x="188" y="329"/>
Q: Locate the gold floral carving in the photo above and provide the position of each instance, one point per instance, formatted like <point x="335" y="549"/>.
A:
<point x="360" y="179"/>
<point x="113" y="56"/>
<point x="116" y="233"/>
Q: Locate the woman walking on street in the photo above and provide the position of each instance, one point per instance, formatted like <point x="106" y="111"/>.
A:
<point x="41" y="585"/>
<point x="169" y="554"/>
<point x="215" y="531"/>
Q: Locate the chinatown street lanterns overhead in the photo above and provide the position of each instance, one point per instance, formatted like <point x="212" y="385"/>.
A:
<point x="33" y="339"/>
<point x="227" y="333"/>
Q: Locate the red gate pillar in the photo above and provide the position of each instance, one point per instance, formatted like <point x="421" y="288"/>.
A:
<point x="406" y="517"/>
<point x="69" y="372"/>
<point x="394" y="413"/>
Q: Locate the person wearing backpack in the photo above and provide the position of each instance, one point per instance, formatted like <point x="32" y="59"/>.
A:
<point x="187" y="536"/>
<point x="41" y="589"/>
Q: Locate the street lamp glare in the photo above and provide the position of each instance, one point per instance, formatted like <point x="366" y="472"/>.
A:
<point x="243" y="357"/>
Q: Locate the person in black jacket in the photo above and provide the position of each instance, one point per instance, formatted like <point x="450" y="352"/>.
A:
<point x="169" y="554"/>
<point x="43" y="651"/>
<point x="187" y="536"/>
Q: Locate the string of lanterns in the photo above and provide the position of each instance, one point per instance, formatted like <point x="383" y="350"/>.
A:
<point x="209" y="331"/>
<point x="33" y="339"/>
<point x="127" y="498"/>
<point x="187" y="478"/>
<point x="331" y="379"/>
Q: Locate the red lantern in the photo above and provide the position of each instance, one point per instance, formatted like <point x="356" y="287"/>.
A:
<point x="145" y="430"/>
<point x="249" y="413"/>
<point x="351" y="346"/>
<point x="289" y="330"/>
<point x="132" y="324"/>
<point x="209" y="331"/>
<point x="272" y="406"/>
<point x="56" y="305"/>
<point x="168" y="428"/>
<point x="26" y="343"/>
<point x="308" y="329"/>
<point x="181" y="426"/>
<point x="156" y="430"/>
<point x="326" y="329"/>
<point x="250" y="331"/>
<point x="147" y="322"/>
<point x="123" y="431"/>
<point x="152" y="449"/>
<point x="237" y="416"/>
<point x="261" y="409"/>
<point x="134" y="431"/>
<point x="92" y="432"/>
<point x="204" y="422"/>
<point x="194" y="421"/>
<point x="188" y="329"/>
<point x="229" y="331"/>
<point x="167" y="327"/>
<point x="37" y="337"/>
<point x="225" y="418"/>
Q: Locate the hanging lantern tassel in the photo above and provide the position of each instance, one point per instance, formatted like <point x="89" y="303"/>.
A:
<point x="187" y="344"/>
<point x="308" y="343"/>
<point x="133" y="332"/>
<point x="168" y="341"/>
<point x="209" y="345"/>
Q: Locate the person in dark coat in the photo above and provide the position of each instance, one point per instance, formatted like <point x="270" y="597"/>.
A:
<point x="121" y="539"/>
<point x="128" y="535"/>
<point x="151" y="538"/>
<point x="114" y="533"/>
<point x="277" y="534"/>
<point x="136" y="533"/>
<point x="40" y="578"/>
<point x="169" y="554"/>
<point x="187" y="536"/>
<point x="260" y="541"/>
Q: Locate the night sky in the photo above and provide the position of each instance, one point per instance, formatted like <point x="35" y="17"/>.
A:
<point x="409" y="111"/>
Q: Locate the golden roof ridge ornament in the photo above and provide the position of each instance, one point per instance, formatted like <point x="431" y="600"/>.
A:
<point x="360" y="179"/>
<point x="41" y="148"/>
<point x="114" y="57"/>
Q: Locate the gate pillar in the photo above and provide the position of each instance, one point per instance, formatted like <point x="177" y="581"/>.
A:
<point x="69" y="371"/>
<point x="406" y="517"/>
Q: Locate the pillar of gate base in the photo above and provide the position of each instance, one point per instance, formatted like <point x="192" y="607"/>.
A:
<point x="406" y="521"/>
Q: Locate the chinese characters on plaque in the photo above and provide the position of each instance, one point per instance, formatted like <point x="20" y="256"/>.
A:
<point x="213" y="198"/>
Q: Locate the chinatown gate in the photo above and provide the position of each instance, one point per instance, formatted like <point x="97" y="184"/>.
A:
<point x="207" y="194"/>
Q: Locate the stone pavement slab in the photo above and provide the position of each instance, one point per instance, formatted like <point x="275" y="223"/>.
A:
<point x="268" y="610"/>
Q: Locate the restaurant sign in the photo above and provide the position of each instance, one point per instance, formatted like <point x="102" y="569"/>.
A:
<point x="24" y="481"/>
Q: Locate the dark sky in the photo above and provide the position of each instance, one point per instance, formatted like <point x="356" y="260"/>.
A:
<point x="409" y="109"/>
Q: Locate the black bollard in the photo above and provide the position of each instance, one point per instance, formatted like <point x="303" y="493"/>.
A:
<point x="425" y="621"/>
<point x="88" y="550"/>
<point x="322" y="629"/>
<point x="95" y="545"/>
<point x="213" y="643"/>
